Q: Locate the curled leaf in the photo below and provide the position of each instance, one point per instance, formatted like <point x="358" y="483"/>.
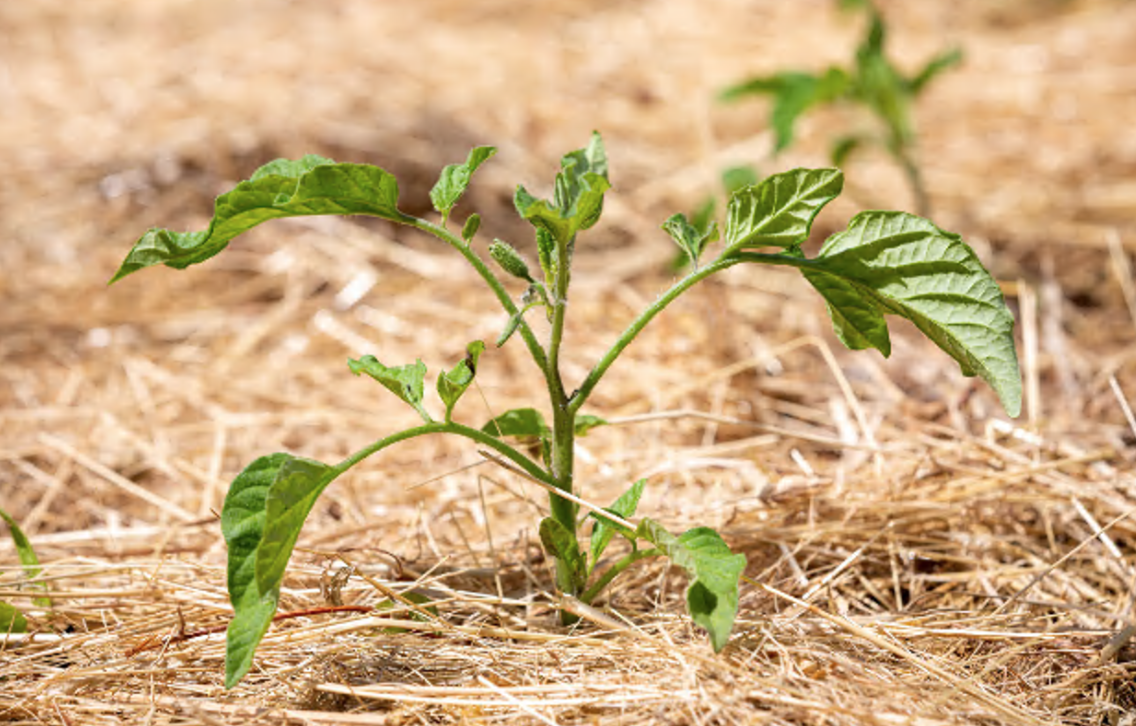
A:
<point x="455" y="179"/>
<point x="688" y="237"/>
<point x="560" y="543"/>
<point x="242" y="524"/>
<point x="900" y="264"/>
<point x="453" y="383"/>
<point x="577" y="200"/>
<point x="604" y="529"/>
<point x="282" y="188"/>
<point x="712" y="597"/>
<point x="407" y="382"/>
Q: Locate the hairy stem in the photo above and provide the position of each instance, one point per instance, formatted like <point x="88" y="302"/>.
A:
<point x="666" y="299"/>
<point x="640" y="322"/>
<point x="563" y="424"/>
<point x="915" y="180"/>
<point x="437" y="427"/>
<point x="466" y="250"/>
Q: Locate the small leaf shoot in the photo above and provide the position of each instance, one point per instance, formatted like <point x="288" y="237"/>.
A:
<point x="604" y="529"/>
<point x="453" y="383"/>
<point x="407" y="382"/>
<point x="27" y="556"/>
<point x="454" y="180"/>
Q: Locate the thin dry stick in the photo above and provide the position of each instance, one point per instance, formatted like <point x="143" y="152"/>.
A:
<point x="476" y="631"/>
<point x="1123" y="268"/>
<point x="117" y="479"/>
<point x="1123" y="401"/>
<point x="515" y="701"/>
<point x="182" y="636"/>
<point x="442" y="476"/>
<point x="598" y="511"/>
<point x="1113" y="647"/>
<point x="972" y="690"/>
<point x="1060" y="561"/>
<point x="390" y="593"/>
<point x="716" y="418"/>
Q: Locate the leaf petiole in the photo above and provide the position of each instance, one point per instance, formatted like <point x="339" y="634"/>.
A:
<point x="614" y="571"/>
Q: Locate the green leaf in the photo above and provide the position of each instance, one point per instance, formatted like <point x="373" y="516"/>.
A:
<point x="453" y="383"/>
<point x="582" y="182"/>
<point x="263" y="513"/>
<point x="880" y="86"/>
<point x="779" y="211"/>
<point x="511" y="326"/>
<point x="518" y="422"/>
<point x="577" y="200"/>
<point x="793" y="93"/>
<point x="281" y="188"/>
<point x="844" y="146"/>
<point x="546" y="252"/>
<point x="899" y="264"/>
<point x="713" y="593"/>
<point x="242" y="524"/>
<point x="733" y="179"/>
<point x="11" y="620"/>
<point x="876" y="36"/>
<point x="472" y="224"/>
<point x="28" y="559"/>
<point x="455" y="179"/>
<point x="604" y="529"/>
<point x="540" y="214"/>
<point x="407" y="382"/>
<point x="934" y="67"/>
<point x="689" y="239"/>
<point x="295" y="488"/>
<point x="561" y="543"/>
<point x="585" y="422"/>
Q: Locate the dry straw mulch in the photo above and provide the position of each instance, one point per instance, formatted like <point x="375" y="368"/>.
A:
<point x="914" y="556"/>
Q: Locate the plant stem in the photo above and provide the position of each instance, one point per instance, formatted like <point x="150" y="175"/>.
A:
<point x="915" y="180"/>
<point x="612" y="572"/>
<point x="640" y="322"/>
<point x="466" y="250"/>
<point x="563" y="425"/>
<point x="437" y="427"/>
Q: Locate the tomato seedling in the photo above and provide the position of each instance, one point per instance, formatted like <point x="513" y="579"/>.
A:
<point x="884" y="263"/>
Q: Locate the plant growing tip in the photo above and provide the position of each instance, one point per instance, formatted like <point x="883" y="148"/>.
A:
<point x="884" y="263"/>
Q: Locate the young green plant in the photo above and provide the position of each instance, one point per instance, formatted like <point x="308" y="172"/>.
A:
<point x="11" y="619"/>
<point x="871" y="82"/>
<point x="884" y="263"/>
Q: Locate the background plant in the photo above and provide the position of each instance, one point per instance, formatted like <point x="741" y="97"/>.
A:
<point x="11" y="619"/>
<point x="870" y="82"/>
<point x="883" y="263"/>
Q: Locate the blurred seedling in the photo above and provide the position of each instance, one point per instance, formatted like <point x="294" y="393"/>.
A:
<point x="12" y="620"/>
<point x="871" y="83"/>
<point x="884" y="263"/>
